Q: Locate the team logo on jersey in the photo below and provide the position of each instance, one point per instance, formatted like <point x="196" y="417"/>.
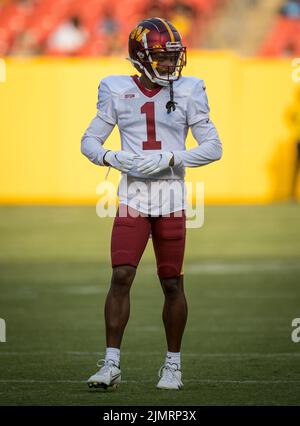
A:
<point x="138" y="33"/>
<point x="129" y="96"/>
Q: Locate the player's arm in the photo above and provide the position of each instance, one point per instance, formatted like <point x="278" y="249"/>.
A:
<point x="98" y="131"/>
<point x="209" y="147"/>
<point x="93" y="140"/>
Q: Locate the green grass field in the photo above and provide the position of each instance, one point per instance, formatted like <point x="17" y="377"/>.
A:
<point x="242" y="280"/>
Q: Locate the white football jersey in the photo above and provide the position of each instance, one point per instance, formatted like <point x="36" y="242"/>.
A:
<point x="141" y="115"/>
<point x="146" y="128"/>
<point x="152" y="196"/>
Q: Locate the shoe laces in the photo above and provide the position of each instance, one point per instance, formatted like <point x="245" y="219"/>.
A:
<point x="168" y="370"/>
<point x="106" y="364"/>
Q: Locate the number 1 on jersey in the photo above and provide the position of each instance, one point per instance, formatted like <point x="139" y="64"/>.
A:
<point x="151" y="142"/>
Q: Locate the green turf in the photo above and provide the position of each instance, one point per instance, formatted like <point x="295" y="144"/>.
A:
<point x="242" y="279"/>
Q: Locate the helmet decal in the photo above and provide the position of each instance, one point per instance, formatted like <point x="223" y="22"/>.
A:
<point x="138" y="33"/>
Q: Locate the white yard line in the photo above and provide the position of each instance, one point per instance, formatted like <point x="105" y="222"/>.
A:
<point x="200" y="381"/>
<point x="192" y="268"/>
<point x="238" y="268"/>
<point x="190" y="354"/>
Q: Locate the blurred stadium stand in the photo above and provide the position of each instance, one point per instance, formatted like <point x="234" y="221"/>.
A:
<point x="92" y="27"/>
<point x="101" y="27"/>
<point x="284" y="37"/>
<point x="241" y="26"/>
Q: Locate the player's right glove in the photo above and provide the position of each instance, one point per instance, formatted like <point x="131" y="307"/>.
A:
<point x="155" y="163"/>
<point x="120" y="160"/>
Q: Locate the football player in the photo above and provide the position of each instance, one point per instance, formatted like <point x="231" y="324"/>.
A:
<point x="153" y="112"/>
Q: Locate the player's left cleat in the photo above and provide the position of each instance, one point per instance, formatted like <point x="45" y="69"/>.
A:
<point x="107" y="378"/>
<point x="170" y="377"/>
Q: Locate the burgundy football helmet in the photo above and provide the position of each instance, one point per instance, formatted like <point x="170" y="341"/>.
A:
<point x="155" y="48"/>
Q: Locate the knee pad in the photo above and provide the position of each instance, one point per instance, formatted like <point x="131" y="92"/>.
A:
<point x="168" y="270"/>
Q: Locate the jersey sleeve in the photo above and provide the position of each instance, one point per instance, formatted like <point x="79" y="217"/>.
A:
<point x="106" y="108"/>
<point x="93" y="140"/>
<point x="197" y="106"/>
<point x="209" y="147"/>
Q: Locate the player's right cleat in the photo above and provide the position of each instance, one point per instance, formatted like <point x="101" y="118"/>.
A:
<point x="107" y="378"/>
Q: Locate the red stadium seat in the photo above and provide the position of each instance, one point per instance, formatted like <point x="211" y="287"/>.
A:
<point x="284" y="37"/>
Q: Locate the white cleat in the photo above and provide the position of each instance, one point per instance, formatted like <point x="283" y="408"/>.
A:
<point x="107" y="378"/>
<point x="170" y="377"/>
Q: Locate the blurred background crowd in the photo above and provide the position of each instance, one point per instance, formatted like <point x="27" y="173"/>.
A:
<point x="101" y="27"/>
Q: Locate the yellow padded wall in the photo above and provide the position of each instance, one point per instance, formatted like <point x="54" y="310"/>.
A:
<point x="46" y="104"/>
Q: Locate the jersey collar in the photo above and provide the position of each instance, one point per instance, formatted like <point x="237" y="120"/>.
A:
<point x="147" y="92"/>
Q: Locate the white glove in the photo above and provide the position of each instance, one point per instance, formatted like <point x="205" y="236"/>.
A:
<point x="120" y="160"/>
<point x="155" y="163"/>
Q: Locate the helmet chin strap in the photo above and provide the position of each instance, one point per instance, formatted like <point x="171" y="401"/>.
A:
<point x="171" y="104"/>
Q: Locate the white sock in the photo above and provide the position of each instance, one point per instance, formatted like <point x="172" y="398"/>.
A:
<point x="113" y="354"/>
<point x="173" y="358"/>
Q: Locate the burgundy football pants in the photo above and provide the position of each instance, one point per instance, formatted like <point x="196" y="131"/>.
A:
<point x="130" y="236"/>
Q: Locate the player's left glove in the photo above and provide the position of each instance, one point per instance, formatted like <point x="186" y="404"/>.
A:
<point x="155" y="163"/>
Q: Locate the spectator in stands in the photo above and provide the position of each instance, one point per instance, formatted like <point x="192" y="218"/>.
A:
<point x="20" y="41"/>
<point x="291" y="9"/>
<point x="25" y="44"/>
<point x="108" y="25"/>
<point x="108" y="28"/>
<point x="68" y="37"/>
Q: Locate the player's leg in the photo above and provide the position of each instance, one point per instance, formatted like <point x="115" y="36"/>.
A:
<point x="117" y="304"/>
<point x="168" y="234"/>
<point x="175" y="311"/>
<point x="128" y="242"/>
